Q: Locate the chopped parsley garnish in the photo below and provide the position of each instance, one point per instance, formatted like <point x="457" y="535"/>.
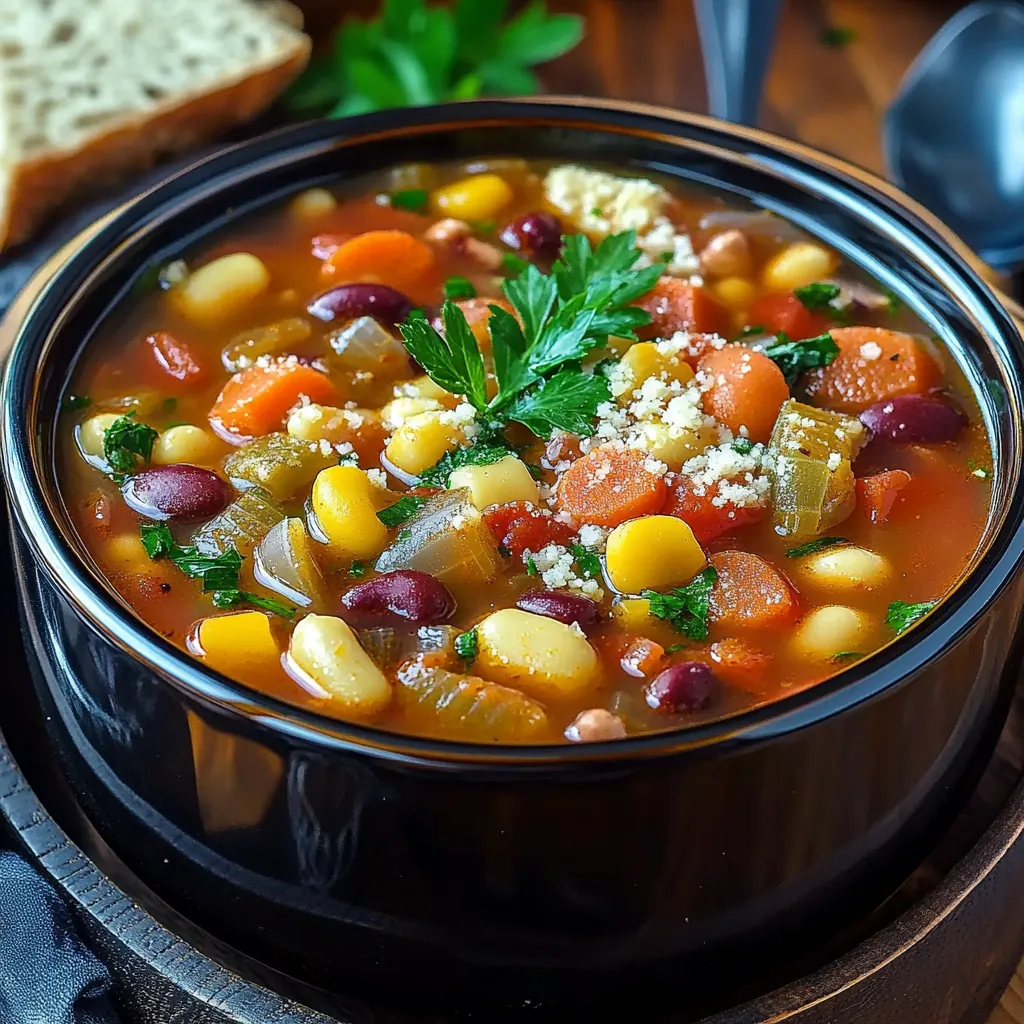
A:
<point x="414" y="199"/>
<point x="751" y="331"/>
<point x="531" y="567"/>
<point x="512" y="264"/>
<point x="72" y="402"/>
<point x="169" y="405"/>
<point x="793" y="357"/>
<point x="844" y="656"/>
<point x="902" y="616"/>
<point x="686" y="608"/>
<point x="559" y="318"/>
<point x="818" y="296"/>
<point x="467" y="645"/>
<point x="812" y="547"/>
<point x="978" y="470"/>
<point x="126" y="442"/>
<point x="459" y="288"/>
<point x="837" y="36"/>
<point x="743" y="445"/>
<point x="231" y="598"/>
<point x="667" y="256"/>
<point x="893" y="303"/>
<point x="357" y="570"/>
<point x="675" y="648"/>
<point x="481" y="454"/>
<point x="597" y="212"/>
<point x="404" y="534"/>
<point x="348" y="459"/>
<point x="402" y="510"/>
<point x="219" y="573"/>
<point x="587" y="562"/>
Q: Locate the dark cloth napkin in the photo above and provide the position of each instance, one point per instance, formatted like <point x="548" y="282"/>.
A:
<point x="47" y="976"/>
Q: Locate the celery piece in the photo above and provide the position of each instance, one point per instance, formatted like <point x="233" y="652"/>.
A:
<point x="279" y="463"/>
<point x="811" y="457"/>
<point x="242" y="525"/>
<point x="447" y="538"/>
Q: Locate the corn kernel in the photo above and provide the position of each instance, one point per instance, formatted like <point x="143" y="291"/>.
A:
<point x="479" y="197"/>
<point x="421" y="441"/>
<point x="830" y="630"/>
<point x="184" y="443"/>
<point x="542" y="657"/>
<point x="326" y="651"/>
<point x="847" y="568"/>
<point x="643" y="360"/>
<point x="89" y="435"/>
<point x="735" y="292"/>
<point x="221" y="288"/>
<point x="652" y="553"/>
<point x="238" y="644"/>
<point x="314" y="202"/>
<point x="345" y="503"/>
<point x="798" y="264"/>
<point x="503" y="481"/>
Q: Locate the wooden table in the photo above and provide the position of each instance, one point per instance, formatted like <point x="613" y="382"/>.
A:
<point x="833" y="99"/>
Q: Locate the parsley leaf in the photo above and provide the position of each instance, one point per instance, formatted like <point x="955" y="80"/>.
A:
<point x="231" y="598"/>
<point x="742" y="445"/>
<point x="568" y="401"/>
<point x="467" y="644"/>
<point x="686" y="608"/>
<point x="157" y="539"/>
<point x="587" y="562"/>
<point x="357" y="570"/>
<point x="902" y="616"/>
<point x="453" y="361"/>
<point x="531" y="567"/>
<point x="477" y="455"/>
<point x="459" y="288"/>
<point x="837" y="36"/>
<point x="812" y="547"/>
<point x="126" y="442"/>
<point x="817" y="297"/>
<point x="844" y="656"/>
<point x="978" y="470"/>
<point x="414" y="199"/>
<point x="72" y="402"/>
<point x="793" y="357"/>
<point x="402" y="510"/>
<point x="513" y="264"/>
<point x="893" y="303"/>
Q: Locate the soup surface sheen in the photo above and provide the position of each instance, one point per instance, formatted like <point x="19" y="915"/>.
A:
<point x="694" y="466"/>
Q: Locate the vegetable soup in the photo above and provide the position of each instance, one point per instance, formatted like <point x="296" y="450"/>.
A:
<point x="514" y="452"/>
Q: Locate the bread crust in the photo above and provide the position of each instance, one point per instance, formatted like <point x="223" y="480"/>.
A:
<point x="40" y="186"/>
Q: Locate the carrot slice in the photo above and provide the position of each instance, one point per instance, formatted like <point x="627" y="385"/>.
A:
<point x="750" y="593"/>
<point x="706" y="519"/>
<point x="743" y="665"/>
<point x="747" y="390"/>
<point x="389" y="257"/>
<point x="609" y="486"/>
<point x="876" y="494"/>
<point x="677" y="306"/>
<point x="175" y="358"/>
<point x="643" y="657"/>
<point x="256" y="400"/>
<point x="873" y="364"/>
<point x="783" y="311"/>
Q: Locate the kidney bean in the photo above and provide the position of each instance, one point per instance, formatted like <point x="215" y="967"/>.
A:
<point x="415" y="597"/>
<point x="179" y="491"/>
<point x="914" y="419"/>
<point x="567" y="608"/>
<point x="595" y="725"/>
<point x="347" y="301"/>
<point x="688" y="686"/>
<point x="535" y="234"/>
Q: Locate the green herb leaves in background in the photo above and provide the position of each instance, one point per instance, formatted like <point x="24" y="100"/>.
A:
<point x="414" y="54"/>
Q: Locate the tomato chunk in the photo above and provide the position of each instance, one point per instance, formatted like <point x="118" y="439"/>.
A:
<point x="707" y="520"/>
<point x="175" y="358"/>
<point x="877" y="494"/>
<point x="519" y="527"/>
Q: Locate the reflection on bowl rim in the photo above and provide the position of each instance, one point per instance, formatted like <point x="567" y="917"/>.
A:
<point x="55" y="545"/>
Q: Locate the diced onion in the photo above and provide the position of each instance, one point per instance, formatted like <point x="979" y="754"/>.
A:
<point x="363" y="344"/>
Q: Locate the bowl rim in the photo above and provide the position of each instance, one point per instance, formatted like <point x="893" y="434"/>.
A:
<point x="70" y="573"/>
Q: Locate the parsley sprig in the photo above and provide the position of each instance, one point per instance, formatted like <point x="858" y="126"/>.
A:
<point x="793" y="357"/>
<point x="219" y="573"/>
<point x="559" y="318"/>
<point x="417" y="53"/>
<point x="901" y="615"/>
<point x="126" y="443"/>
<point x="686" y="608"/>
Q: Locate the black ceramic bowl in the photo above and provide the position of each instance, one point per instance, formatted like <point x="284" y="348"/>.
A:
<point x="693" y="865"/>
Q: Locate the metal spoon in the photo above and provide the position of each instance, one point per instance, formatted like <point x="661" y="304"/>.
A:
<point x="954" y="136"/>
<point x="736" y="38"/>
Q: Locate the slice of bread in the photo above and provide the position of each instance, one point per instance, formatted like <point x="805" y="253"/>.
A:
<point x="94" y="89"/>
